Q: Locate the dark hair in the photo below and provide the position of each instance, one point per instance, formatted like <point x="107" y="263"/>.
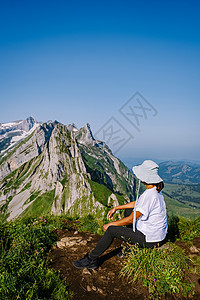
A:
<point x="159" y="186"/>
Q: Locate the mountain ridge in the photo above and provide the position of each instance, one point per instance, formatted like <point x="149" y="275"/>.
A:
<point x="57" y="167"/>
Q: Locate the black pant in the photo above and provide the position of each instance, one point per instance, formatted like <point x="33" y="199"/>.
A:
<point x="124" y="234"/>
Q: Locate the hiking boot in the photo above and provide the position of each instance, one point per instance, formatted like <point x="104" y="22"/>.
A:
<point x="85" y="262"/>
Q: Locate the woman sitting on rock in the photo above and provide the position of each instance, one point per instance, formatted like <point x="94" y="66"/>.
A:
<point x="148" y="217"/>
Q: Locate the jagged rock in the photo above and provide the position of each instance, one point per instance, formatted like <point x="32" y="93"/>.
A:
<point x="85" y="135"/>
<point x="60" y="244"/>
<point x="193" y="250"/>
<point x="72" y="127"/>
<point x="70" y="242"/>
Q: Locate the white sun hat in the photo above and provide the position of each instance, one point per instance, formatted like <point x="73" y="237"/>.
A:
<point x="147" y="172"/>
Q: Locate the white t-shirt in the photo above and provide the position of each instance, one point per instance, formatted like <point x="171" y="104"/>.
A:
<point x="153" y="222"/>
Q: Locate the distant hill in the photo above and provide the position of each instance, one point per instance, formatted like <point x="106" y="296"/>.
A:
<point x="180" y="172"/>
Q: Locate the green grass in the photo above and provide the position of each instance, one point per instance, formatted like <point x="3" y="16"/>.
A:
<point x="27" y="186"/>
<point x="184" y="192"/>
<point x="181" y="209"/>
<point x="41" y="206"/>
<point x="101" y="192"/>
<point x="24" y="269"/>
<point x="189" y="228"/>
<point x="33" y="196"/>
<point x="182" y="200"/>
<point x="88" y="223"/>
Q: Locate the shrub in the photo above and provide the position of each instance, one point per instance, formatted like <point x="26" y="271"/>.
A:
<point x="24" y="271"/>
<point x="162" y="271"/>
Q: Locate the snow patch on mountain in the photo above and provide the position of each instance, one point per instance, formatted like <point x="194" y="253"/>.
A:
<point x="13" y="132"/>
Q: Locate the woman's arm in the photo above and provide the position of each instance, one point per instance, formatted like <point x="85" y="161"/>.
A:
<point x="124" y="206"/>
<point x="124" y="221"/>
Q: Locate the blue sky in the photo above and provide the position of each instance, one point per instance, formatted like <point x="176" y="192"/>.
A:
<point x="81" y="61"/>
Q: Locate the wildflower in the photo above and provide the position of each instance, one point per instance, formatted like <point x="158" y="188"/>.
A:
<point x="45" y="221"/>
<point x="36" y="251"/>
<point x="40" y="217"/>
<point x="154" y="279"/>
<point x="35" y="219"/>
<point x="27" y="252"/>
<point x="42" y="249"/>
<point x="151" y="283"/>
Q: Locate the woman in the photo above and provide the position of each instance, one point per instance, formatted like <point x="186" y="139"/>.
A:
<point x="149" y="217"/>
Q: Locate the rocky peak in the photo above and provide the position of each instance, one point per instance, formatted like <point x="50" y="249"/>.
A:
<point x="85" y="136"/>
<point x="72" y="127"/>
<point x="28" y="124"/>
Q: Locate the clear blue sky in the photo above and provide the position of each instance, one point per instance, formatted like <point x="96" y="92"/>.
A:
<point x="80" y="61"/>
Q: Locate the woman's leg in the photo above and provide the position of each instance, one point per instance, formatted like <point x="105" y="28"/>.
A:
<point x="122" y="233"/>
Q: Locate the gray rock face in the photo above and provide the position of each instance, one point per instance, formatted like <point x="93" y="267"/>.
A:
<point x="26" y="150"/>
<point x="68" y="162"/>
<point x="85" y="136"/>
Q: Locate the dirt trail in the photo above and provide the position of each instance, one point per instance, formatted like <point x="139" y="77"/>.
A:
<point x="103" y="283"/>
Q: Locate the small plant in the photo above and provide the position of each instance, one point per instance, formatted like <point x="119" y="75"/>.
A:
<point x="162" y="271"/>
<point x="189" y="229"/>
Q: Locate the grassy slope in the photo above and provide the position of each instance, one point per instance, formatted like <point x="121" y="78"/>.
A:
<point x="41" y="206"/>
<point x="182" y="200"/>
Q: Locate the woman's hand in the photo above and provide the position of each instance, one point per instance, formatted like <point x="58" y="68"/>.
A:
<point x="110" y="213"/>
<point x="105" y="226"/>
